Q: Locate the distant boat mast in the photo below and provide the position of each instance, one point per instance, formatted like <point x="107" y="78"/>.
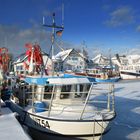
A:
<point x="53" y="26"/>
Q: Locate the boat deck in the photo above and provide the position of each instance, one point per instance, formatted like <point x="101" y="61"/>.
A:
<point x="71" y="113"/>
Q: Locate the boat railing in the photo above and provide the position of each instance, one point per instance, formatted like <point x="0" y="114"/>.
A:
<point x="102" y="101"/>
<point x="86" y="101"/>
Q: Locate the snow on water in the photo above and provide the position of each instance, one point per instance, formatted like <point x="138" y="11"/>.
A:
<point x="126" y="125"/>
<point x="129" y="90"/>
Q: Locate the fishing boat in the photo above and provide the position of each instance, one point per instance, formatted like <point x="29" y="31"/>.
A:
<point x="100" y="74"/>
<point x="107" y="75"/>
<point x="107" y="80"/>
<point x="129" y="66"/>
<point x="64" y="106"/>
<point x="7" y="117"/>
<point x="130" y="71"/>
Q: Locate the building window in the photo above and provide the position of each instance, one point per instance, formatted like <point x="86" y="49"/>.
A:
<point x="75" y="59"/>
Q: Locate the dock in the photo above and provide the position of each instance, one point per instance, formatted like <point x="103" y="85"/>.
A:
<point x="10" y="128"/>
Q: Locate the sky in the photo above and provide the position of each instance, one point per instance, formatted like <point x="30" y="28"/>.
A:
<point x="98" y="26"/>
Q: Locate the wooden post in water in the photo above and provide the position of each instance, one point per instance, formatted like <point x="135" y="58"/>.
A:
<point x="108" y="101"/>
<point x="113" y="98"/>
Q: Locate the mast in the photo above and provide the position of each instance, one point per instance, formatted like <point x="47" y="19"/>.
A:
<point x="110" y="61"/>
<point x="53" y="26"/>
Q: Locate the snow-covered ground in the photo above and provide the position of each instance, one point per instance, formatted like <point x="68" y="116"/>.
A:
<point x="126" y="125"/>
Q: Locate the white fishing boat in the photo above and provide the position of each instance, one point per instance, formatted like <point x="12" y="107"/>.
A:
<point x="130" y="74"/>
<point x="131" y="68"/>
<point x="64" y="106"/>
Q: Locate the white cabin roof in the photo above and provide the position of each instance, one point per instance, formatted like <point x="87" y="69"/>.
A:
<point x="99" y="58"/>
<point x="62" y="55"/>
<point x="68" y="81"/>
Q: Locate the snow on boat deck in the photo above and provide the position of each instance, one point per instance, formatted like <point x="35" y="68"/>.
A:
<point x="10" y="129"/>
<point x="126" y="126"/>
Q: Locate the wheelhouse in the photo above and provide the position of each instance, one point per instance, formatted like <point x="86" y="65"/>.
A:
<point x="61" y="90"/>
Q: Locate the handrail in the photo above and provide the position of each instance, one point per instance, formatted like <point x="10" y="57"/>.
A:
<point x="86" y="101"/>
<point x="100" y="104"/>
<point x="51" y="102"/>
<point x="77" y="111"/>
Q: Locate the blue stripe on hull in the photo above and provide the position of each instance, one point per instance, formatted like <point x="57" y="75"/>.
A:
<point x="107" y="80"/>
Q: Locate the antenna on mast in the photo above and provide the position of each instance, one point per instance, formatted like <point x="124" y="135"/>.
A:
<point x="53" y="26"/>
<point x="62" y="14"/>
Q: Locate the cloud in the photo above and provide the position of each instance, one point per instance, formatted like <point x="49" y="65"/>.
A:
<point x="121" y="16"/>
<point x="15" y="38"/>
<point x="134" y="51"/>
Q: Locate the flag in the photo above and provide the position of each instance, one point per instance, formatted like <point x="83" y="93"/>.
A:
<point x="59" y="33"/>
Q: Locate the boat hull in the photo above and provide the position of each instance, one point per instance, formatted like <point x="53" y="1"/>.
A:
<point x="74" y="128"/>
<point x="44" y="136"/>
<point x="90" y="77"/>
<point x="114" y="79"/>
<point x="129" y="75"/>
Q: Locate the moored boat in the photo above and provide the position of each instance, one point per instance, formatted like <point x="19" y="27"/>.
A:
<point x="64" y="106"/>
<point x="107" y="80"/>
<point x="130" y="73"/>
<point x="130" y="67"/>
<point x="60" y="105"/>
<point x="100" y="75"/>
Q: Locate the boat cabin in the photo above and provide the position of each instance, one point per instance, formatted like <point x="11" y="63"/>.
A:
<point x="63" y="90"/>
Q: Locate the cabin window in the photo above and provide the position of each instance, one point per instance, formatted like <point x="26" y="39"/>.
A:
<point x="48" y="92"/>
<point x="79" y="91"/>
<point x="21" y="72"/>
<point x="85" y="90"/>
<point x="65" y="91"/>
<point x="19" y="68"/>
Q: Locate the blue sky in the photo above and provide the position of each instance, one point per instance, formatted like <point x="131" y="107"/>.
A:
<point x="101" y="24"/>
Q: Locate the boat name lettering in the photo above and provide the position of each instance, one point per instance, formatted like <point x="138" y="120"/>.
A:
<point x="41" y="122"/>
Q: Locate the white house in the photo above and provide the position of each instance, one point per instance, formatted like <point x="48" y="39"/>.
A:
<point x="69" y="60"/>
<point x="101" y="60"/>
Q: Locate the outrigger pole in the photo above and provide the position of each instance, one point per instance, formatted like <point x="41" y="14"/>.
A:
<point x="53" y="26"/>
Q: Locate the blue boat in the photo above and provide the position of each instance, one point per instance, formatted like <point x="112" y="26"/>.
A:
<point x="90" y="78"/>
<point x="108" y="80"/>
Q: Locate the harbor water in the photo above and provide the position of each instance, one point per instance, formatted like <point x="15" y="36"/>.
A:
<point x="126" y="125"/>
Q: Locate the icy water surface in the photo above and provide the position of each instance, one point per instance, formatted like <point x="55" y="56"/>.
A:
<point x="126" y="125"/>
